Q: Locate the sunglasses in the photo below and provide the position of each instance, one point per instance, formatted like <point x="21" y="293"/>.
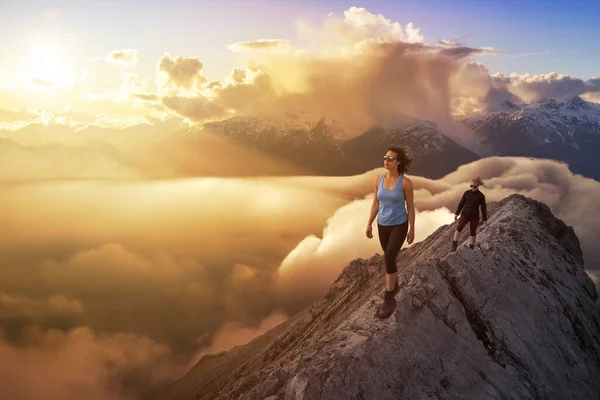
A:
<point x="387" y="158"/>
<point x="473" y="186"/>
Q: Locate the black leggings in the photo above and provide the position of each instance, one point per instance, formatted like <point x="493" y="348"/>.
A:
<point x="392" y="238"/>
<point x="473" y="222"/>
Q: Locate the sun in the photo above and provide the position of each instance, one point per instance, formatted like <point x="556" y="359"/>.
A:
<point x="46" y="67"/>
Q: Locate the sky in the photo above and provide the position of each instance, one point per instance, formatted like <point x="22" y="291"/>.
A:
<point x="56" y="55"/>
<point x="131" y="246"/>
<point x="563" y="34"/>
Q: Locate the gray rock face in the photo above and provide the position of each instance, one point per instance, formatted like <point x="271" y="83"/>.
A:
<point x="515" y="318"/>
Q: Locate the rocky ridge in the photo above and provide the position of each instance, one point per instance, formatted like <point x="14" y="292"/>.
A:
<point x="515" y="318"/>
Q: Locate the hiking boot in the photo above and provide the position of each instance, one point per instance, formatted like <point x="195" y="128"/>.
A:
<point x="454" y="245"/>
<point x="472" y="246"/>
<point x="388" y="306"/>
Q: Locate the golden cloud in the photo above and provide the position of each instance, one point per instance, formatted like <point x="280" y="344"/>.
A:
<point x="265" y="44"/>
<point x="127" y="57"/>
<point x="38" y="310"/>
<point x="67" y="365"/>
<point x="180" y="72"/>
<point x="365" y="69"/>
<point x="9" y="115"/>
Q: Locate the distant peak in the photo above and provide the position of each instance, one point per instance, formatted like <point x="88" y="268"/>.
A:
<point x="550" y="104"/>
<point x="576" y="103"/>
<point x="506" y="106"/>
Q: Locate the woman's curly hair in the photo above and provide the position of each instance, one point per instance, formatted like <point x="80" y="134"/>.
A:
<point x="403" y="157"/>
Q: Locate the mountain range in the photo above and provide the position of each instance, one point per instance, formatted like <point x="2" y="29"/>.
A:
<point x="567" y="131"/>
<point x="323" y="147"/>
<point x="309" y="144"/>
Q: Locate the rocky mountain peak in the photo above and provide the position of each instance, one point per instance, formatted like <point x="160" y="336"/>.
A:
<point x="517" y="317"/>
<point x="576" y="103"/>
<point x="330" y="127"/>
<point x="506" y="106"/>
<point x="550" y="104"/>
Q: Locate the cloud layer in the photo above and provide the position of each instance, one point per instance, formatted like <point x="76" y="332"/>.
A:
<point x="120" y="286"/>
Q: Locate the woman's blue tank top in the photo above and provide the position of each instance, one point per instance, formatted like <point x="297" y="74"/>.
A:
<point x="392" y="210"/>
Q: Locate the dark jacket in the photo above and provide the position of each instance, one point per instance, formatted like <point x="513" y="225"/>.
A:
<point x="470" y="203"/>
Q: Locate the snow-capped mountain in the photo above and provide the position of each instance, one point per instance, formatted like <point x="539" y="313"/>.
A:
<point x="568" y="131"/>
<point x="504" y="107"/>
<point x="326" y="147"/>
<point x="434" y="154"/>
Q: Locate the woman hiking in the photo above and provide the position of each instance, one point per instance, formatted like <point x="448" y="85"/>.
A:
<point x="393" y="205"/>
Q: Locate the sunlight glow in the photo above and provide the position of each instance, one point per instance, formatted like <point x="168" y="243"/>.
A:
<point x="46" y="68"/>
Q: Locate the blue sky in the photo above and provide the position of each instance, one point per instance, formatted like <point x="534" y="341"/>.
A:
<point x="558" y="36"/>
<point x="565" y="32"/>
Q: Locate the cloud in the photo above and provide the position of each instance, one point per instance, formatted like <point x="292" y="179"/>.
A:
<point x="544" y="86"/>
<point x="52" y="120"/>
<point x="57" y="310"/>
<point x="194" y="108"/>
<point x="529" y="54"/>
<point x="357" y="91"/>
<point x="181" y="72"/>
<point x="593" y="97"/>
<point x="153" y="294"/>
<point x="595" y="276"/>
<point x="145" y="97"/>
<point x="67" y="365"/>
<point x="56" y="147"/>
<point x="16" y="115"/>
<point x="360" y="68"/>
<point x="358" y="26"/>
<point x="475" y="90"/>
<point x="54" y="161"/>
<point x="131" y="89"/>
<point x="464" y="52"/>
<point x="126" y="57"/>
<point x="264" y="44"/>
<point x="42" y="82"/>
<point x="234" y="334"/>
<point x="446" y="43"/>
